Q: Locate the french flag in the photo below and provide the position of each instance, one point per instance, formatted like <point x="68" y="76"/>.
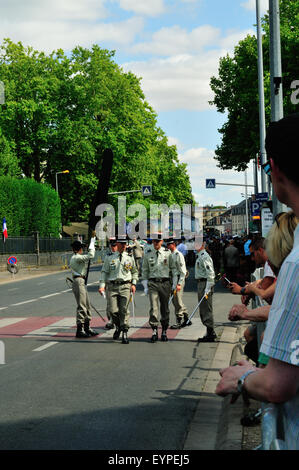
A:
<point x="4" y="230"/>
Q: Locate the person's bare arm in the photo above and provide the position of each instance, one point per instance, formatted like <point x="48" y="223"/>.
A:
<point x="262" y="293"/>
<point x="241" y="312"/>
<point x="276" y="383"/>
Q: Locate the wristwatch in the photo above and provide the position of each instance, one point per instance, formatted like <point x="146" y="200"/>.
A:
<point x="242" y="380"/>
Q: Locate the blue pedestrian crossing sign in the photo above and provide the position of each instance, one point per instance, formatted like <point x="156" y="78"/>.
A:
<point x="210" y="184"/>
<point x="146" y="190"/>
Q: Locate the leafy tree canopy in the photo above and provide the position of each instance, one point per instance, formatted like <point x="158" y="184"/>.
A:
<point x="62" y="112"/>
<point x="236" y="88"/>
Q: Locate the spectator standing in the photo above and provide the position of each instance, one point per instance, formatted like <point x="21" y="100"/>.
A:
<point x="231" y="261"/>
<point x="278" y="382"/>
<point x="182" y="248"/>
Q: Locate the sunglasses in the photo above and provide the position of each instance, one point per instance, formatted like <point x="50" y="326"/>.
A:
<point x="267" y="169"/>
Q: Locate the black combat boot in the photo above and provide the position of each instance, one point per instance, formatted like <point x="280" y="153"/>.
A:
<point x="88" y="330"/>
<point x="154" y="338"/>
<point x="80" y="333"/>
<point x="164" y="335"/>
<point x="109" y="326"/>
<point x="116" y="334"/>
<point x="186" y="321"/>
<point x="125" y="337"/>
<point x="178" y="325"/>
<point x="209" y="337"/>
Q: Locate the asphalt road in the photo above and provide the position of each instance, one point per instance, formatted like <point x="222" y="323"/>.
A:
<point x="59" y="392"/>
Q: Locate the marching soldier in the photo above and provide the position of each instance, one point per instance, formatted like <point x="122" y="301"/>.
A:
<point x="120" y="271"/>
<point x="178" y="283"/>
<point x="137" y="253"/>
<point x="110" y="324"/>
<point x="78" y="265"/>
<point x="156" y="269"/>
<point x="205" y="276"/>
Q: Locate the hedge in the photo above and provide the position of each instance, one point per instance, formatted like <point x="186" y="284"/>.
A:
<point x="28" y="207"/>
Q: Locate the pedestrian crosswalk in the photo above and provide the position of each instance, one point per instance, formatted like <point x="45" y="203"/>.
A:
<point x="65" y="327"/>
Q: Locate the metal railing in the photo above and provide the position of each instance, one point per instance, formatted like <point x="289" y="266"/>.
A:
<point x="17" y="245"/>
<point x="273" y="424"/>
<point x="273" y="427"/>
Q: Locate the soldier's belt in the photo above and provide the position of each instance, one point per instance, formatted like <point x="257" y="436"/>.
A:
<point x="202" y="279"/>
<point x="82" y="277"/>
<point x="120" y="282"/>
<point x="159" y="279"/>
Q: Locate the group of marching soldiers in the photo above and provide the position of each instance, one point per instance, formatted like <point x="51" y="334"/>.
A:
<point x="163" y="272"/>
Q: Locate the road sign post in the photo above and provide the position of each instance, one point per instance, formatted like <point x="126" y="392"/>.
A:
<point x="210" y="183"/>
<point x="146" y="190"/>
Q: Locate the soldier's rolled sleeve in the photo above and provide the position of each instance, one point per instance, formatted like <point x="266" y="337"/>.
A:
<point x="145" y="269"/>
<point x="104" y="274"/>
<point x="209" y="270"/>
<point x="134" y="274"/>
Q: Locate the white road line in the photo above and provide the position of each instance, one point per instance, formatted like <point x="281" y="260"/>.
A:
<point x="10" y="290"/>
<point x="46" y="346"/>
<point x="52" y="329"/>
<point x="22" y="303"/>
<point x="9" y="321"/>
<point x="36" y="299"/>
<point x="49" y="295"/>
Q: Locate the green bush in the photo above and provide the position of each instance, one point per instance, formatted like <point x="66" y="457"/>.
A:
<point x="29" y="207"/>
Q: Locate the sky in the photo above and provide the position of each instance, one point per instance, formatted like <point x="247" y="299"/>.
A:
<point x="174" y="46"/>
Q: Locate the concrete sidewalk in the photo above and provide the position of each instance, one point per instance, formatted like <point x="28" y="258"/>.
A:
<point x="29" y="272"/>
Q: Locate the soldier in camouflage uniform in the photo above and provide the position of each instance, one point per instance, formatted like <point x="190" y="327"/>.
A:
<point x="205" y="276"/>
<point x="120" y="271"/>
<point x="78" y="265"/>
<point x="178" y="283"/>
<point x="156" y="269"/>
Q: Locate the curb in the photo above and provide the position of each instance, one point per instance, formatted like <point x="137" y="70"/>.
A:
<point x="216" y="423"/>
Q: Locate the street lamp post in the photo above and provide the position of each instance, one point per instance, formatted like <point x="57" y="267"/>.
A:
<point x="56" y="179"/>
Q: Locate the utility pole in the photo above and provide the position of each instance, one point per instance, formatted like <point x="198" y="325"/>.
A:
<point x="261" y="94"/>
<point x="275" y="78"/>
<point x="246" y="202"/>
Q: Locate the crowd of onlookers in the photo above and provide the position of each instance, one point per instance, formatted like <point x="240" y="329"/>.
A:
<point x="275" y="376"/>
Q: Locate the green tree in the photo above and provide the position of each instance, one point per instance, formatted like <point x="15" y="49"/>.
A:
<point x="62" y="112"/>
<point x="236" y="89"/>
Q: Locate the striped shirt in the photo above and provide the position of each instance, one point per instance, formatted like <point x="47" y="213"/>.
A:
<point x="281" y="338"/>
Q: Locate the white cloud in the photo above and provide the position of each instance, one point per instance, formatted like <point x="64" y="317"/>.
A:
<point x="251" y="5"/>
<point x="143" y="7"/>
<point x="54" y="10"/>
<point x="178" y="74"/>
<point x="176" y="40"/>
<point x="175" y="141"/>
<point x="201" y="165"/>
<point x="49" y="35"/>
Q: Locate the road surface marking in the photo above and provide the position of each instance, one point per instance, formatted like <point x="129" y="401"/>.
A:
<point x="22" y="303"/>
<point x="46" y="346"/>
<point x="52" y="329"/>
<point x="10" y="321"/>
